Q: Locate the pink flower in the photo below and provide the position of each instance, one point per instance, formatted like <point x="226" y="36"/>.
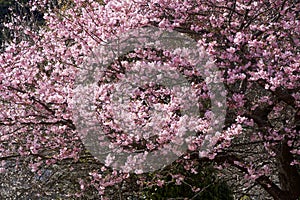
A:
<point x="160" y="183"/>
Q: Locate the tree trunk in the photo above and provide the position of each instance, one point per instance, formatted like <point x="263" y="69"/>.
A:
<point x="288" y="175"/>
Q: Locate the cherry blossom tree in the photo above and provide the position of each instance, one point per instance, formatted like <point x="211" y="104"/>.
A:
<point x="254" y="44"/>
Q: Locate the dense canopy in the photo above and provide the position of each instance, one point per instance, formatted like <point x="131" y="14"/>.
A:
<point x="254" y="44"/>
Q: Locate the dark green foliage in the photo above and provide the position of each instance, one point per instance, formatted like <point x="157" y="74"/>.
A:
<point x="4" y="4"/>
<point x="210" y="187"/>
<point x="21" y="8"/>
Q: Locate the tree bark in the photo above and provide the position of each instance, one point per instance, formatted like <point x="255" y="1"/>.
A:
<point x="288" y="174"/>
